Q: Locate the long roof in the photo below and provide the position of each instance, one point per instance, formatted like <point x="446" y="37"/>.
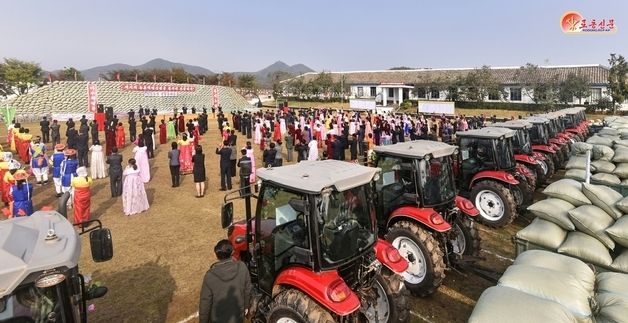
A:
<point x="314" y="176"/>
<point x="24" y="249"/>
<point x="488" y="132"/>
<point x="417" y="149"/>
<point x="596" y="74"/>
<point x="513" y="124"/>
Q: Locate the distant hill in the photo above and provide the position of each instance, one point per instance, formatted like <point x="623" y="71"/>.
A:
<point x="159" y="63"/>
<point x="278" y="66"/>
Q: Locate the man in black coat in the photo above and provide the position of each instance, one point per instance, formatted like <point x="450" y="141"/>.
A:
<point x="148" y="141"/>
<point x="45" y="130"/>
<point x="72" y="135"/>
<point x="245" y="173"/>
<point x="225" y="165"/>
<point x="82" y="147"/>
<point x="115" y="172"/>
<point x="94" y="131"/>
<point x="131" y="114"/>
<point x="132" y="129"/>
<point x="226" y="290"/>
<point x="269" y="155"/>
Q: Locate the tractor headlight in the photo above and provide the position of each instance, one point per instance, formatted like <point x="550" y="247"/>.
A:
<point x="49" y="280"/>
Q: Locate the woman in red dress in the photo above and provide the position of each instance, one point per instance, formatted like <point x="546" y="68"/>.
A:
<point x="82" y="195"/>
<point x="120" y="135"/>
<point x="277" y="131"/>
<point x="162" y="132"/>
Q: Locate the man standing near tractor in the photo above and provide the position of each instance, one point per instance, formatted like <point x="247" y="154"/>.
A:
<point x="226" y="290"/>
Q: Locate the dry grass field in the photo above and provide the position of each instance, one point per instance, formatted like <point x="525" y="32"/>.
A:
<point x="160" y="256"/>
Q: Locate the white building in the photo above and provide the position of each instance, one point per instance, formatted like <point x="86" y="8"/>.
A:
<point x="392" y="87"/>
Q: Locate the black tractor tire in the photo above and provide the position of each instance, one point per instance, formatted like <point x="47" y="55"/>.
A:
<point x="551" y="168"/>
<point x="430" y="251"/>
<point x="471" y="235"/>
<point x="533" y="178"/>
<point x="541" y="177"/>
<point x="507" y="200"/>
<point x="296" y="305"/>
<point x="396" y="295"/>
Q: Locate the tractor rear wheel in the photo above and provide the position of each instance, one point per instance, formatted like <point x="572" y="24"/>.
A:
<point x="426" y="268"/>
<point x="495" y="202"/>
<point x="392" y="302"/>
<point x="542" y="172"/>
<point x="551" y="168"/>
<point x="532" y="178"/>
<point x="293" y="306"/>
<point x="465" y="238"/>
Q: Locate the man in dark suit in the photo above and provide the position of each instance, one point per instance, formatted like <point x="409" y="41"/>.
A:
<point x="82" y="147"/>
<point x="94" y="131"/>
<point x="148" y="141"/>
<point x="225" y="165"/>
<point x="45" y="130"/>
<point x="115" y="172"/>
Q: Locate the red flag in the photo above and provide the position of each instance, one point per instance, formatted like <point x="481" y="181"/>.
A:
<point x="135" y="77"/>
<point x="118" y="76"/>
<point x="154" y="78"/>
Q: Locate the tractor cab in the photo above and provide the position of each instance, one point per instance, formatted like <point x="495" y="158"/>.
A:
<point x="40" y="280"/>
<point x="556" y="136"/>
<point x="313" y="240"/>
<point x="534" y="161"/>
<point x="487" y="173"/>
<point x="540" y="137"/>
<point x="417" y="207"/>
<point x="576" y="122"/>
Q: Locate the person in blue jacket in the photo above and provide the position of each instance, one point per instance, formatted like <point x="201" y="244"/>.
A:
<point x="68" y="169"/>
<point x="22" y="192"/>
<point x="55" y="160"/>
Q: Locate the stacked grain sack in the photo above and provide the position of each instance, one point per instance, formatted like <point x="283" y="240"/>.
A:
<point x="581" y="220"/>
<point x="545" y="287"/>
<point x="609" y="156"/>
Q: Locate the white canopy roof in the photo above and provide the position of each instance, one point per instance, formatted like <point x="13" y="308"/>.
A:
<point x="417" y="149"/>
<point x="314" y="176"/>
<point x="488" y="132"/>
<point x="24" y="249"/>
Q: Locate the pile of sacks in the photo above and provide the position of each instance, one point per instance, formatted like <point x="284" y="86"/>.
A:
<point x="585" y="221"/>
<point x="609" y="155"/>
<point x="545" y="287"/>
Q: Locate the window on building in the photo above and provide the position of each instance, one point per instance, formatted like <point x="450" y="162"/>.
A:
<point x="420" y="93"/>
<point x="360" y="91"/>
<point x="435" y="94"/>
<point x="596" y="94"/>
<point x="391" y="92"/>
<point x="515" y="94"/>
<point x="373" y="91"/>
<point x="493" y="96"/>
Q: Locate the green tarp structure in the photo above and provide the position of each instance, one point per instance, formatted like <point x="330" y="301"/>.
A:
<point x="8" y="113"/>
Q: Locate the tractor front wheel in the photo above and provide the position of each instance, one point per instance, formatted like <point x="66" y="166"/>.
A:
<point x="495" y="202"/>
<point x="391" y="304"/>
<point x="426" y="268"/>
<point x="293" y="306"/>
<point x="551" y="168"/>
<point x="465" y="238"/>
<point x="542" y="172"/>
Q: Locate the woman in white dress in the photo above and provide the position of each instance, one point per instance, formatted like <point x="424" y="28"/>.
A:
<point x="98" y="161"/>
<point x="258" y="132"/>
<point x="313" y="150"/>
<point x="141" y="160"/>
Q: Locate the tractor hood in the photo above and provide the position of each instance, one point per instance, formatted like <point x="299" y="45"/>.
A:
<point x="313" y="176"/>
<point x="26" y="248"/>
<point x="417" y="149"/>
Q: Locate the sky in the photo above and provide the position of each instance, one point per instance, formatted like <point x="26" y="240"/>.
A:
<point x="339" y="35"/>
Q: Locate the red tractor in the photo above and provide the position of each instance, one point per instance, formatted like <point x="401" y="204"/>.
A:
<point x="560" y="139"/>
<point x="312" y="247"/>
<point x="524" y="155"/>
<point x="419" y="212"/>
<point x="539" y="136"/>
<point x="487" y="172"/>
<point x="575" y="122"/>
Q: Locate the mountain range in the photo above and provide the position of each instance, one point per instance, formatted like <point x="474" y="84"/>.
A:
<point x="160" y="63"/>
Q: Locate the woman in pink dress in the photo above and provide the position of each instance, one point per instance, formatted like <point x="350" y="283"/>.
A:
<point x="185" y="156"/>
<point x="134" y="199"/>
<point x="141" y="159"/>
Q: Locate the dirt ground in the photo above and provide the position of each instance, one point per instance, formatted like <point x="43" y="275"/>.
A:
<point x="160" y="256"/>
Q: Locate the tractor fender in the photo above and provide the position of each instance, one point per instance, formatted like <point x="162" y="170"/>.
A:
<point x="389" y="256"/>
<point x="523" y="170"/>
<point x="466" y="206"/>
<point x="425" y="216"/>
<point x="317" y="285"/>
<point x="526" y="159"/>
<point x="543" y="148"/>
<point x="572" y="130"/>
<point x="538" y="156"/>
<point x="237" y="237"/>
<point x="498" y="175"/>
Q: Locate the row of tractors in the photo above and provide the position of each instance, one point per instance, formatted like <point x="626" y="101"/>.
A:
<point x="331" y="241"/>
